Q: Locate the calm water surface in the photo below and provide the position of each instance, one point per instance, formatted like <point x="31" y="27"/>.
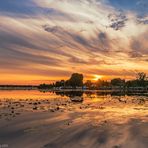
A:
<point x="92" y="119"/>
<point x="34" y="100"/>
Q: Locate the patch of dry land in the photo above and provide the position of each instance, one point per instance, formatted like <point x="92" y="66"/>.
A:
<point x="89" y="121"/>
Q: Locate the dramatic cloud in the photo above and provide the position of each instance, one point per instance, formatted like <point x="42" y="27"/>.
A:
<point x="50" y="39"/>
<point x="117" y="21"/>
<point x="143" y="20"/>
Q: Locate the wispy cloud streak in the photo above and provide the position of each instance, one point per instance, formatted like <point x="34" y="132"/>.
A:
<point x="50" y="38"/>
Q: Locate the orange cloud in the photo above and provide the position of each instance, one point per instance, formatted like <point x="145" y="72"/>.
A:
<point x="87" y="37"/>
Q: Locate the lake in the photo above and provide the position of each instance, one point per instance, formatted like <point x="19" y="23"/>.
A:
<point x="64" y="119"/>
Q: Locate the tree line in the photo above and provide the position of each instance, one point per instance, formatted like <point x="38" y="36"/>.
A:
<point x="76" y="81"/>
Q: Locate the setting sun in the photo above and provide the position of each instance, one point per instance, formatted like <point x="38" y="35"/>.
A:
<point x="97" y="77"/>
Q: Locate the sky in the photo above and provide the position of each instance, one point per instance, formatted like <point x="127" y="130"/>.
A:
<point x="47" y="40"/>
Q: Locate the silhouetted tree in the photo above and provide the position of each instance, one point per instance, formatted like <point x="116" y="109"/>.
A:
<point x="117" y="82"/>
<point x="76" y="80"/>
<point x="60" y="83"/>
<point x="132" y="83"/>
<point x="141" y="76"/>
<point x="102" y="83"/>
<point x="88" y="84"/>
<point x="141" y="79"/>
<point x="45" y="86"/>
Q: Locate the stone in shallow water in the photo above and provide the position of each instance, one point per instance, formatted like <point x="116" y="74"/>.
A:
<point x="76" y="99"/>
<point x="52" y="110"/>
<point x="35" y="108"/>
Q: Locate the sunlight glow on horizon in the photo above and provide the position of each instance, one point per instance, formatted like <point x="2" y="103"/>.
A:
<point x="97" y="77"/>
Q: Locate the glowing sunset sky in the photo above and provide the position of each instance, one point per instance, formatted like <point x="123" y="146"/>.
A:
<point x="44" y="40"/>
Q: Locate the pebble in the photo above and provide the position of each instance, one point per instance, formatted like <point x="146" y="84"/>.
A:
<point x="35" y="108"/>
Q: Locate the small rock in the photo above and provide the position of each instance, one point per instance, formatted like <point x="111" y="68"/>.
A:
<point x="52" y="110"/>
<point x="58" y="108"/>
<point x="35" y="108"/>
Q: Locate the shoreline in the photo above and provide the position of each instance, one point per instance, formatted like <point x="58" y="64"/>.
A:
<point x="101" y="91"/>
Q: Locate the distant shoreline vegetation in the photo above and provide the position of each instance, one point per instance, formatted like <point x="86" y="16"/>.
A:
<point x="75" y="82"/>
